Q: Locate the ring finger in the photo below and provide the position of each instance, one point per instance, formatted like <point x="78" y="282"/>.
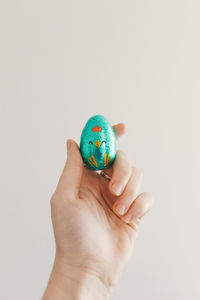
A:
<point x="142" y="204"/>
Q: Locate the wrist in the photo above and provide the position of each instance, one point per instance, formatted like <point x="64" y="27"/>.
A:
<point x="68" y="282"/>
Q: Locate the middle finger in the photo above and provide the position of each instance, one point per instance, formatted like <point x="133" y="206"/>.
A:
<point x="121" y="172"/>
<point x="122" y="203"/>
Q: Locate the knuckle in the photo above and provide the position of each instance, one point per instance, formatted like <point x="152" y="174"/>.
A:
<point x="53" y="200"/>
<point x="132" y="193"/>
<point x="141" y="206"/>
<point x="137" y="171"/>
<point x="120" y="152"/>
<point x="122" y="155"/>
<point x="148" y="200"/>
<point x="128" y="172"/>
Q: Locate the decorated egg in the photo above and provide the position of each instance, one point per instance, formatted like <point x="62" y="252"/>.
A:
<point x="98" y="143"/>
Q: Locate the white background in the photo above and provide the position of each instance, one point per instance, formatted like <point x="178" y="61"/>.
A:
<point x="136" y="62"/>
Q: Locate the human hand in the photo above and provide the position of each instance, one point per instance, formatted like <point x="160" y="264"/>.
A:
<point x="95" y="225"/>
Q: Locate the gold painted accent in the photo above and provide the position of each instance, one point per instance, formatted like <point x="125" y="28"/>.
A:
<point x="107" y="159"/>
<point x="105" y="156"/>
<point x="92" y="161"/>
<point x="97" y="144"/>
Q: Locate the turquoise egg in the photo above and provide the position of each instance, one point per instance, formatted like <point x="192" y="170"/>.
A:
<point x="98" y="143"/>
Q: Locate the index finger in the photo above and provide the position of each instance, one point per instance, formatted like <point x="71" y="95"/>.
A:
<point x="119" y="129"/>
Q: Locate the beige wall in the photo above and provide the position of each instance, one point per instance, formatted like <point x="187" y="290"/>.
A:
<point x="136" y="62"/>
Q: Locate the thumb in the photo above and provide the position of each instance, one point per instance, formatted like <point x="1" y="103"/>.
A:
<point x="70" y="178"/>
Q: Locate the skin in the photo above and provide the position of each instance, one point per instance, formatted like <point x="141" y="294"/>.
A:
<point x="95" y="225"/>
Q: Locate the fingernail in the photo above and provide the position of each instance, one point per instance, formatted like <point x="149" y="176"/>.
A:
<point x="134" y="226"/>
<point x="137" y="221"/>
<point x="136" y="215"/>
<point x="120" y="209"/>
<point x="132" y="219"/>
<point x="128" y="218"/>
<point x="117" y="188"/>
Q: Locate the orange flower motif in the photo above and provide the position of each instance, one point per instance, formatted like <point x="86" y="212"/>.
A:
<point x="97" y="129"/>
